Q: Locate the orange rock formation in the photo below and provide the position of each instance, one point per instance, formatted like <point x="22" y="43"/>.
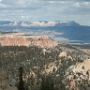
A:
<point x="22" y="40"/>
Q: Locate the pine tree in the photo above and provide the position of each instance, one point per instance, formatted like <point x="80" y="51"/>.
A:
<point x="47" y="83"/>
<point x="21" y="85"/>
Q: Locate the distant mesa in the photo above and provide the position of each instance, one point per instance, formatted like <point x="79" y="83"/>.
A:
<point x="20" y="39"/>
<point x="37" y="23"/>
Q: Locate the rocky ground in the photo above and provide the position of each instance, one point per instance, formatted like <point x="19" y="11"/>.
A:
<point x="5" y="83"/>
<point x="67" y="65"/>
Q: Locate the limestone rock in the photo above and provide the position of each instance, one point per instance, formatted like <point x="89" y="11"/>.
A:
<point x="63" y="54"/>
<point x="81" y="67"/>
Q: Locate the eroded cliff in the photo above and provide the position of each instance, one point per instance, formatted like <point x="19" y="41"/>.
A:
<point x="19" y="39"/>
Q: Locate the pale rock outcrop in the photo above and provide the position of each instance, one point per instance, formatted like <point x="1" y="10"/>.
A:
<point x="69" y="57"/>
<point x="63" y="54"/>
<point x="81" y="67"/>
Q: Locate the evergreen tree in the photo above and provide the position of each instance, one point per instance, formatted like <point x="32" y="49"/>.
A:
<point x="21" y="85"/>
<point x="47" y="83"/>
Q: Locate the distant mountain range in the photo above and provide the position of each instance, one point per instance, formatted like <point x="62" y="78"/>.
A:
<point x="69" y="31"/>
<point x="38" y="23"/>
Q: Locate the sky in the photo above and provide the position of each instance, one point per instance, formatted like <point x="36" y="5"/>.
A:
<point x="46" y="10"/>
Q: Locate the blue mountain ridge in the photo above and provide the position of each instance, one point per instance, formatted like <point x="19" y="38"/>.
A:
<point x="73" y="31"/>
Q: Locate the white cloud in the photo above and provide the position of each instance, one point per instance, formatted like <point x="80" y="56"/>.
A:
<point x="9" y="2"/>
<point x="86" y="3"/>
<point x="23" y="17"/>
<point x="0" y="1"/>
<point x="39" y="10"/>
<point x="53" y="34"/>
<point x="77" y="4"/>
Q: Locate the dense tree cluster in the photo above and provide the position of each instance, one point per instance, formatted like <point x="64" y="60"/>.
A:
<point x="33" y="59"/>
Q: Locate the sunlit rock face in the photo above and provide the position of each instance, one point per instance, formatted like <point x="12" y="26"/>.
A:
<point x="19" y="39"/>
